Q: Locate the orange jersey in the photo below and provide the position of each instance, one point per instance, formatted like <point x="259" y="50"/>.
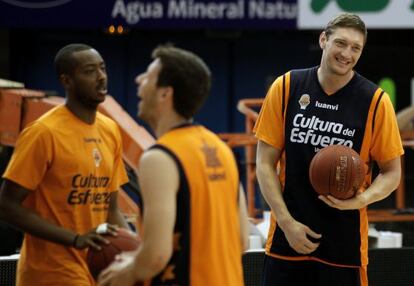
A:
<point x="298" y="118"/>
<point x="71" y="168"/>
<point x="207" y="248"/>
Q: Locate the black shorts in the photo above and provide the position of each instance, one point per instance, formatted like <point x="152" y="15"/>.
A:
<point x="279" y="272"/>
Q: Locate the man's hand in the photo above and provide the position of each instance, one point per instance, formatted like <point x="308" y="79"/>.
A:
<point x="94" y="237"/>
<point x="120" y="272"/>
<point x="297" y="235"/>
<point x="355" y="203"/>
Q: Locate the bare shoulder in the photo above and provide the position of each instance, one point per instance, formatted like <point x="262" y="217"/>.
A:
<point x="158" y="171"/>
<point x="156" y="157"/>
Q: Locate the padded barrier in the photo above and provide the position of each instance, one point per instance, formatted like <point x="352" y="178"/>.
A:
<point x="388" y="267"/>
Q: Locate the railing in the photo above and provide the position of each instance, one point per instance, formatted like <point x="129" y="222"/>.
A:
<point x="249" y="142"/>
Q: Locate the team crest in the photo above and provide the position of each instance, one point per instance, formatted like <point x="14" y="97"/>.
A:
<point x="210" y="153"/>
<point x="96" y="157"/>
<point x="304" y="101"/>
<point x="213" y="163"/>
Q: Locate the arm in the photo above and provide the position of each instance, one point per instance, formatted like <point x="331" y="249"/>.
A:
<point x="295" y="232"/>
<point x="405" y="119"/>
<point x="159" y="181"/>
<point x="244" y="221"/>
<point x="383" y="185"/>
<point x="119" y="177"/>
<point x="385" y="149"/>
<point x="115" y="216"/>
<point x="269" y="183"/>
<point x="11" y="210"/>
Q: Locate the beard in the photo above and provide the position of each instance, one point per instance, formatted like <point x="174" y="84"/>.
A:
<point x="87" y="99"/>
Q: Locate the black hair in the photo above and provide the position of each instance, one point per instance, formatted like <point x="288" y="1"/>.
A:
<point x="64" y="63"/>
<point x="187" y="74"/>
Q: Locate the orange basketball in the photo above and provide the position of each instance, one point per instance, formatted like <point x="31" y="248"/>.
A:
<point x="98" y="260"/>
<point x="337" y="170"/>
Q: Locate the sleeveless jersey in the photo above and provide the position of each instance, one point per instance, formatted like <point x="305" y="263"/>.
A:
<point x="311" y="120"/>
<point x="207" y="245"/>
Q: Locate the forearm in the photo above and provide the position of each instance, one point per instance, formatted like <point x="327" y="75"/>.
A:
<point x="116" y="217"/>
<point x="244" y="221"/>
<point x="114" y="214"/>
<point x="383" y="185"/>
<point x="405" y="118"/>
<point x="31" y="223"/>
<point x="272" y="192"/>
<point x="157" y="244"/>
<point x="150" y="261"/>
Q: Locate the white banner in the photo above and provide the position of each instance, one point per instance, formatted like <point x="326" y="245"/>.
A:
<point x="381" y="14"/>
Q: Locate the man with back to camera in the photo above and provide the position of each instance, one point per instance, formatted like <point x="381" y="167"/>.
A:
<point x="63" y="177"/>
<point x="195" y="218"/>
<point x="318" y="240"/>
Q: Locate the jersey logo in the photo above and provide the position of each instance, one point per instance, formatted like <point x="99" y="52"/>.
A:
<point x="326" y="106"/>
<point x="213" y="162"/>
<point x="96" y="157"/>
<point x="210" y="153"/>
<point x="304" y="101"/>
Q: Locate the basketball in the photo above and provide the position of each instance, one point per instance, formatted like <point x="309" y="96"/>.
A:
<point x="98" y="260"/>
<point x="337" y="170"/>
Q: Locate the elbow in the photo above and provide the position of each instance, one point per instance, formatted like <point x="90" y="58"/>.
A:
<point x="264" y="170"/>
<point x="3" y="210"/>
<point x="7" y="210"/>
<point x="157" y="261"/>
<point x="156" y="265"/>
<point x="397" y="182"/>
<point x="245" y="231"/>
<point x="5" y="215"/>
<point x="259" y="171"/>
<point x="245" y="243"/>
<point x="396" y="178"/>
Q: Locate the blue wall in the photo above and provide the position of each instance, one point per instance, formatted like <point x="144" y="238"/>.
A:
<point x="243" y="62"/>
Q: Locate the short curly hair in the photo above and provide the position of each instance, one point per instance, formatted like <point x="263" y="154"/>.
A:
<point x="64" y="63"/>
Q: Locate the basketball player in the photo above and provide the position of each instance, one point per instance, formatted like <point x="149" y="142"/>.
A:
<point x="195" y="219"/>
<point x="62" y="180"/>
<point x="323" y="240"/>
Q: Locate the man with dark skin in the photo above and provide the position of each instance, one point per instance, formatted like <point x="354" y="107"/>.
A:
<point x="62" y="180"/>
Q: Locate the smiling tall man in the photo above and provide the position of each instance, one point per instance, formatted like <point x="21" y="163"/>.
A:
<point x="321" y="240"/>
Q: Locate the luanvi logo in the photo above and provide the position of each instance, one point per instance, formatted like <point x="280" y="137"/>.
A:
<point x="326" y="105"/>
<point x="354" y="5"/>
<point x="36" y="4"/>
